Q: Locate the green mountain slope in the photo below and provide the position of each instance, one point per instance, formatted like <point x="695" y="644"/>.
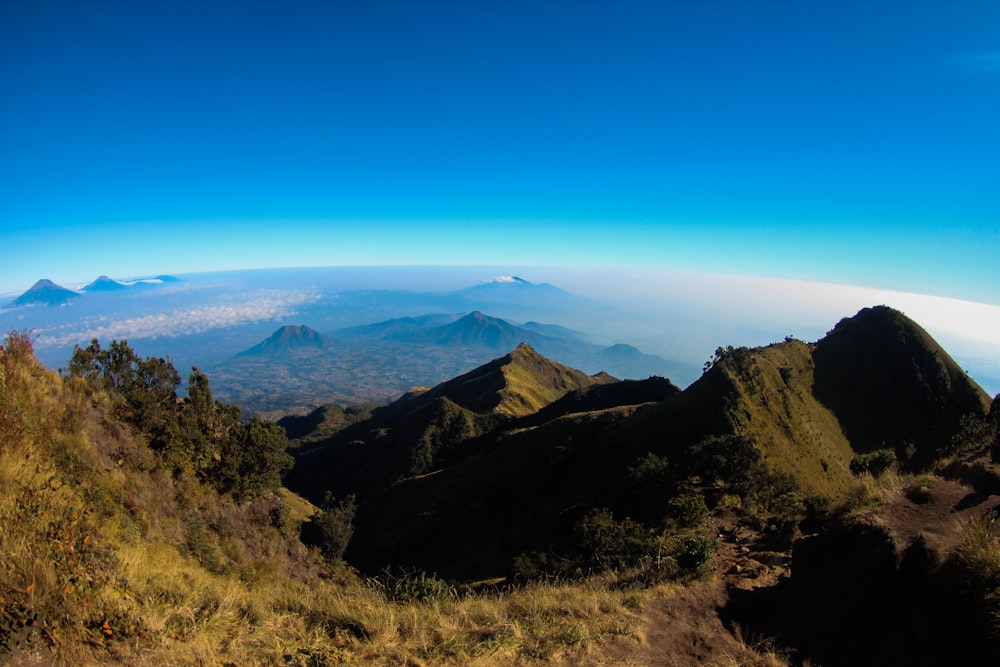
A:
<point x="426" y="429"/>
<point x="526" y="490"/>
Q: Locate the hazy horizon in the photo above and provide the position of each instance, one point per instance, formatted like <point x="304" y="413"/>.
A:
<point x="676" y="315"/>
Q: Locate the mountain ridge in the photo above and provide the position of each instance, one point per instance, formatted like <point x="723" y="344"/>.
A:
<point x="760" y="400"/>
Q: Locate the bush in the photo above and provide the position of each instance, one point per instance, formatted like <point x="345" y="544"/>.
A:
<point x="608" y="544"/>
<point x="687" y="510"/>
<point x="332" y="528"/>
<point x="875" y="463"/>
<point x="730" y="459"/>
<point x="693" y="553"/>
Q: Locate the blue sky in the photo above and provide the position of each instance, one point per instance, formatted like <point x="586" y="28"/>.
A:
<point x="845" y="142"/>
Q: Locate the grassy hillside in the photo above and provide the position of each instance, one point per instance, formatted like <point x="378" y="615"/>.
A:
<point x="772" y="403"/>
<point x="425" y="430"/>
<point x="754" y="436"/>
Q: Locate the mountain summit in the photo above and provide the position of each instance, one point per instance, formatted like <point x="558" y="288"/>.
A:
<point x="426" y="428"/>
<point x="287" y="339"/>
<point x="517" y="384"/>
<point x="472" y="329"/>
<point x="45" y="292"/>
<point x="104" y="284"/>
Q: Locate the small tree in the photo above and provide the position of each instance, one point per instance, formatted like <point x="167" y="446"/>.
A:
<point x="333" y="527"/>
<point x="252" y="459"/>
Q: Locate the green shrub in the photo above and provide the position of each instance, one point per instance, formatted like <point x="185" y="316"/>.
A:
<point x="875" y="463"/>
<point x="332" y="528"/>
<point x="693" y="553"/>
<point x="687" y="510"/>
<point x="608" y="544"/>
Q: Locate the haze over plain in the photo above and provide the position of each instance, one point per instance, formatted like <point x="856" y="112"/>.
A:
<point x="618" y="149"/>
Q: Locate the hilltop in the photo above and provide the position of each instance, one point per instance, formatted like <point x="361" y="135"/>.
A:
<point x="104" y="284"/>
<point x="424" y="428"/>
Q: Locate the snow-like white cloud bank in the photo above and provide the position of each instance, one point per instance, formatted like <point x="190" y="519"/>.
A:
<point x="181" y="321"/>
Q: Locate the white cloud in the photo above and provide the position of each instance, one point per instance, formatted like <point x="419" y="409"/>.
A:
<point x="255" y="307"/>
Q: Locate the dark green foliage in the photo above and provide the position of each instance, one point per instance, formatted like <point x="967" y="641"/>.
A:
<point x="651" y="485"/>
<point x="693" y="553"/>
<point x="147" y="387"/>
<point x="251" y="459"/>
<point x="608" y="544"/>
<point x="196" y="436"/>
<point x="977" y="433"/>
<point x="731" y="460"/>
<point x="687" y="510"/>
<point x="818" y="508"/>
<point x="875" y="463"/>
<point x="332" y="528"/>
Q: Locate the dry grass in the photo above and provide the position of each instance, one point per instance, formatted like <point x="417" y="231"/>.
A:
<point x="869" y="493"/>
<point x="753" y="653"/>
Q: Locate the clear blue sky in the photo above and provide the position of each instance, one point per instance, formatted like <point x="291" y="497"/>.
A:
<point x="853" y="142"/>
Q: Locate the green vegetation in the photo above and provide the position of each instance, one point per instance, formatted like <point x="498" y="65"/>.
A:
<point x="199" y="435"/>
<point x="875" y="463"/>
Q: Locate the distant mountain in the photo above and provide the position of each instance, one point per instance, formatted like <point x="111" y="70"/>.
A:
<point x="553" y="330"/>
<point x="47" y="293"/>
<point x="507" y="288"/>
<point x="473" y="329"/>
<point x="398" y="327"/>
<point x="478" y="330"/>
<point x="627" y="361"/>
<point x="375" y="363"/>
<point x="288" y="339"/>
<point x="105" y="284"/>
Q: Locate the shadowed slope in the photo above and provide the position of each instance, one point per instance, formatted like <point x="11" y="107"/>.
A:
<point x="890" y="384"/>
<point x="523" y="490"/>
<point x="426" y="429"/>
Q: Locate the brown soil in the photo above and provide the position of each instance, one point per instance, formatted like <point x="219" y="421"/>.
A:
<point x="706" y="622"/>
